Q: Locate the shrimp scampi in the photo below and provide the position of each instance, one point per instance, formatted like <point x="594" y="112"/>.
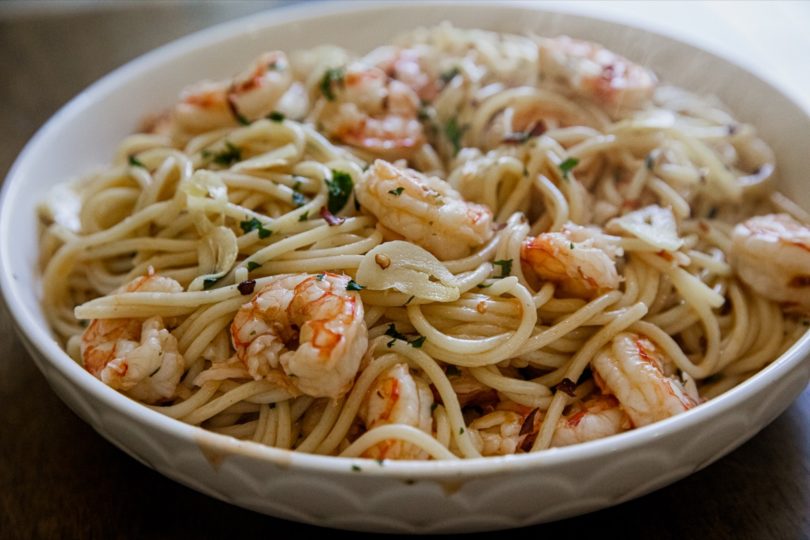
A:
<point x="139" y="357"/>
<point x="772" y="255"/>
<point x="398" y="396"/>
<point x="634" y="371"/>
<point x="424" y="210"/>
<point x="309" y="326"/>
<point x="580" y="260"/>
<point x="456" y="244"/>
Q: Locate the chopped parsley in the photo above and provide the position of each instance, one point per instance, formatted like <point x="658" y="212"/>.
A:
<point x="461" y="431"/>
<point x="332" y="76"/>
<point x="254" y="224"/>
<point x="571" y="245"/>
<point x="276" y="116"/>
<point x="226" y="157"/>
<point x="241" y="119"/>
<point x="506" y="267"/>
<point x="380" y="462"/>
<point x="356" y="468"/>
<point x="567" y="165"/>
<point x="354" y="286"/>
<point x="454" y="133"/>
<point x="252" y="265"/>
<point x="304" y="216"/>
<point x="320" y="277"/>
<point x="135" y="162"/>
<point x="450" y="74"/>
<point x="340" y="189"/>
<point x="209" y="282"/>
<point x="391" y="332"/>
<point x="397" y="192"/>
<point x="298" y="199"/>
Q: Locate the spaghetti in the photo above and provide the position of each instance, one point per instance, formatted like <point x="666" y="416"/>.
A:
<point x="460" y="245"/>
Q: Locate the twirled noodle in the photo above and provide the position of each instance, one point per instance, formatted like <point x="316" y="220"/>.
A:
<point x="262" y="262"/>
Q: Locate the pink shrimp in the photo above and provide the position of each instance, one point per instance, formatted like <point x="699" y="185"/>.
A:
<point x="136" y="356"/>
<point x="365" y="109"/>
<point x="596" y="73"/>
<point x="579" y="259"/>
<point x="397" y="397"/>
<point x="309" y="326"/>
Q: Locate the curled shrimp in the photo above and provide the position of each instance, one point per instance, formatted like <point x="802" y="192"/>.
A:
<point x="424" y="210"/>
<point x="504" y="431"/>
<point x="366" y="109"/>
<point x="772" y="255"/>
<point x="309" y="326"/>
<point x="634" y="371"/>
<point x="136" y="356"/>
<point x="247" y="97"/>
<point x="595" y="418"/>
<point x="579" y="259"/>
<point x="409" y="66"/>
<point x="397" y="397"/>
<point x="596" y="73"/>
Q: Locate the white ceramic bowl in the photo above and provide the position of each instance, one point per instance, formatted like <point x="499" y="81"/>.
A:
<point x="409" y="497"/>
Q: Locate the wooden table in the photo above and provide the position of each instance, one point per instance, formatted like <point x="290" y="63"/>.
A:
<point x="59" y="479"/>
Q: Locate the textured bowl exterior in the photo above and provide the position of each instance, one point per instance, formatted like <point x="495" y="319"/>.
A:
<point x="474" y="495"/>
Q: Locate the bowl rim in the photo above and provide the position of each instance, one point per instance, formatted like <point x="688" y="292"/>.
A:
<point x="40" y="338"/>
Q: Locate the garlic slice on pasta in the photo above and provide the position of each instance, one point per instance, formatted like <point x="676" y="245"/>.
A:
<point x="409" y="269"/>
<point x="652" y="224"/>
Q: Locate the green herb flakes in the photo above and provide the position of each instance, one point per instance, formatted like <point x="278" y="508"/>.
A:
<point x="254" y="224"/>
<point x="340" y="190"/>
<point x="567" y="166"/>
<point x="506" y="267"/>
<point x="330" y="78"/>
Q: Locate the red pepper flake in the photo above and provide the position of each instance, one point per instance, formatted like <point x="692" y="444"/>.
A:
<point x="528" y="442"/>
<point x="799" y="281"/>
<point x="528" y="423"/>
<point x="331" y="218"/>
<point x="666" y="255"/>
<point x="567" y="386"/>
<point x="247" y="286"/>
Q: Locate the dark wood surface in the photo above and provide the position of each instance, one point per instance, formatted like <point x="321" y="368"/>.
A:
<point x="59" y="479"/>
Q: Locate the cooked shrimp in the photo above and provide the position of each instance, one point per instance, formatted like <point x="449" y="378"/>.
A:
<point x="408" y="66"/>
<point x="309" y="326"/>
<point x="397" y="397"/>
<point x="598" y="417"/>
<point x="594" y="72"/>
<point x="634" y="371"/>
<point x="136" y="356"/>
<point x="772" y="254"/>
<point x="579" y="259"/>
<point x="247" y="97"/>
<point x="424" y="210"/>
<point x="365" y="109"/>
<point x="505" y="430"/>
<point x="469" y="390"/>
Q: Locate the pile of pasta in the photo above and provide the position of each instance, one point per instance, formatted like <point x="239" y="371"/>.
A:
<point x="462" y="244"/>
